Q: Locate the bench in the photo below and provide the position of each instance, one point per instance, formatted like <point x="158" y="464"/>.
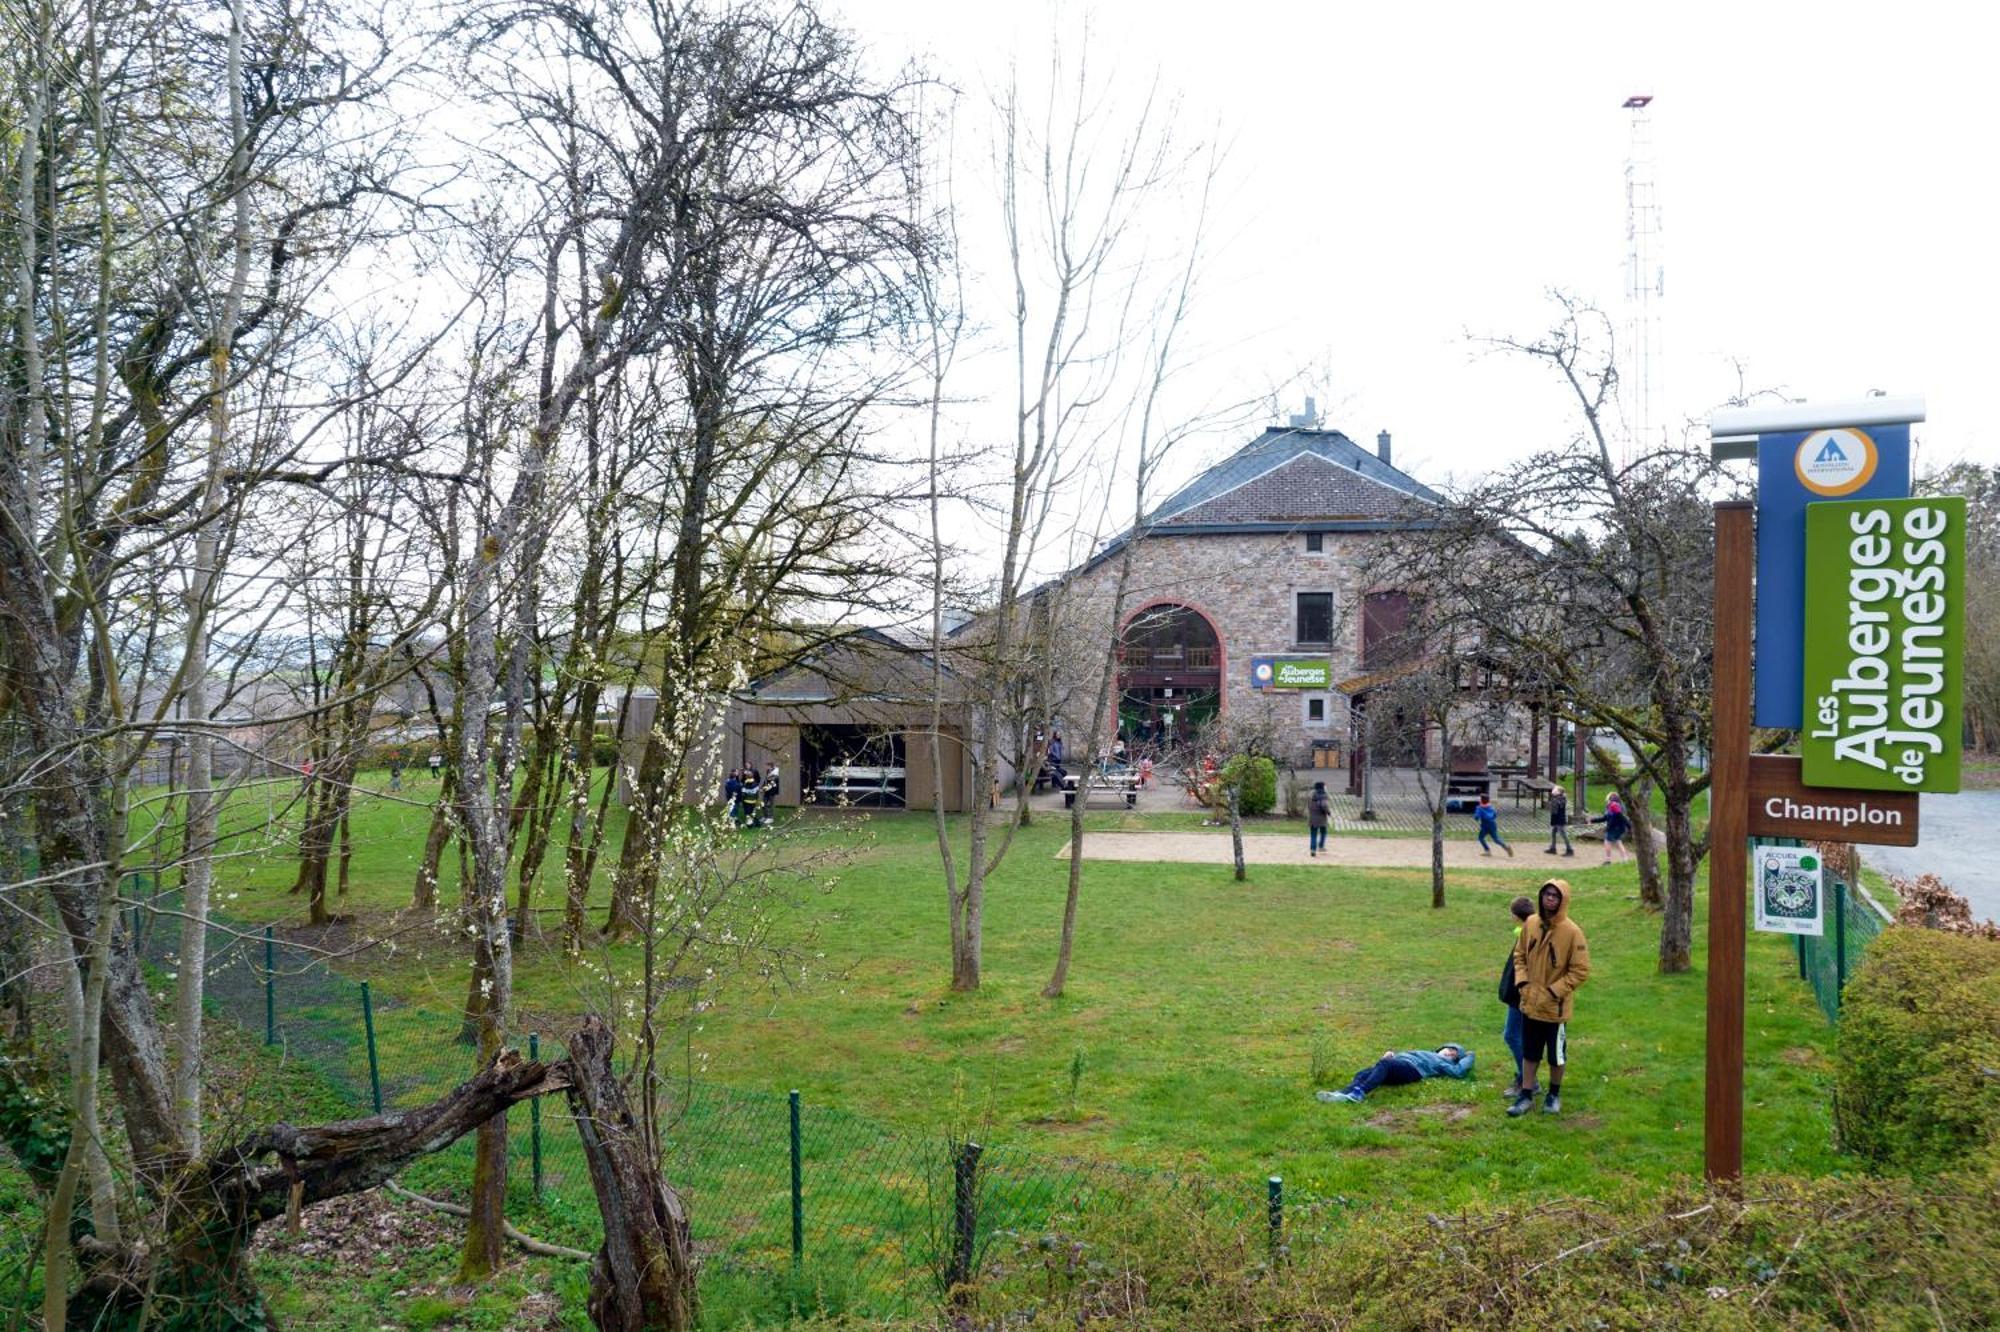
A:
<point x="1120" y="782"/>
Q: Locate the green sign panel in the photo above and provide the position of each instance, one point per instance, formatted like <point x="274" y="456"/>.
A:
<point x="1884" y="640"/>
<point x="1291" y="673"/>
<point x="1303" y="675"/>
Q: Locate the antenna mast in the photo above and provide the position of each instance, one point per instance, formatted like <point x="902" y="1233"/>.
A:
<point x="1645" y="284"/>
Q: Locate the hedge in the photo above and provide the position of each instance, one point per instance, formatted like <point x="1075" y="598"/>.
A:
<point x="1919" y="1050"/>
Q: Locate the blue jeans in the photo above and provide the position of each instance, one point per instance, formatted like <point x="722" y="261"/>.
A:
<point x="1510" y="1033"/>
<point x="1318" y="839"/>
<point x="1494" y="833"/>
<point x="1390" y="1072"/>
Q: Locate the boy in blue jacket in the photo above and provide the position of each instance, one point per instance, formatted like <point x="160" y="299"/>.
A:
<point x="1488" y="818"/>
<point x="1398" y="1067"/>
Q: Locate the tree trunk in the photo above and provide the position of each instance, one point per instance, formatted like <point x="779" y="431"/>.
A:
<point x="643" y="1276"/>
<point x="1437" y="856"/>
<point x="424" y="894"/>
<point x="195" y="1276"/>
<point x="1677" y="918"/>
<point x="583" y="746"/>
<point x="639" y="859"/>
<point x="544" y="793"/>
<point x="1638" y="797"/>
<point x="1437" y="804"/>
<point x="1236" y="833"/>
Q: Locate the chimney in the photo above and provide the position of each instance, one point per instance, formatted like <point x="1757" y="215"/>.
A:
<point x="1382" y="447"/>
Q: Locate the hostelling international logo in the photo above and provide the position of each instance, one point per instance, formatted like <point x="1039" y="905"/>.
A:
<point x="1835" y="463"/>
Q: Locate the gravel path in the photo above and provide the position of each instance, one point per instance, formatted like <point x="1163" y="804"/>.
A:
<point x="1212" y="848"/>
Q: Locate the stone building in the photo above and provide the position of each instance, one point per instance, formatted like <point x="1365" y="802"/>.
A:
<point x="850" y="723"/>
<point x="1247" y="596"/>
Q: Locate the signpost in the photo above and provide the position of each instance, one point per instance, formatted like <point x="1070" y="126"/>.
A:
<point x="1856" y="592"/>
<point x="1782" y="805"/>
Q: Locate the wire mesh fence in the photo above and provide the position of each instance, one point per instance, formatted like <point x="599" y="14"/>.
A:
<point x="1853" y="921"/>
<point x="827" y="1209"/>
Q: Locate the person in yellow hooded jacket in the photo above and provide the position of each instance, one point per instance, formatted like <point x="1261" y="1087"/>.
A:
<point x="1551" y="962"/>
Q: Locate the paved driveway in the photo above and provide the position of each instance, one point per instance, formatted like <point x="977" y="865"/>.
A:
<point x="1961" y="845"/>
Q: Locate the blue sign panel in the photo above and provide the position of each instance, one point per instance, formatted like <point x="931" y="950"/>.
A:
<point x="1793" y="470"/>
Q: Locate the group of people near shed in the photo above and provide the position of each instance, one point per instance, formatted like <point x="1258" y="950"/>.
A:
<point x="1548" y="963"/>
<point x="751" y="799"/>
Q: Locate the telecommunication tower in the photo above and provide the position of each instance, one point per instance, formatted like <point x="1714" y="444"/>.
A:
<point x="1645" y="285"/>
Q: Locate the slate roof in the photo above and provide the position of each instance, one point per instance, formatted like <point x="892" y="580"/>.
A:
<point x="1293" y="475"/>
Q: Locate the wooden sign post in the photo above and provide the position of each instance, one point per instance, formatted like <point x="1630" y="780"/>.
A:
<point x="1729" y="841"/>
<point x="1855" y="455"/>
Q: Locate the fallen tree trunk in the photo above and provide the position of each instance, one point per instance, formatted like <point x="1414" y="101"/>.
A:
<point x="642" y="1279"/>
<point x="197" y="1275"/>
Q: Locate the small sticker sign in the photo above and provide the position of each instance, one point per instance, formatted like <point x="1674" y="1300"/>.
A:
<point x="1791" y="890"/>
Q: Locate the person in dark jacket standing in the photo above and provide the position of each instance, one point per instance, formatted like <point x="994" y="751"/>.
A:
<point x="1319" y="813"/>
<point x="1510" y="994"/>
<point x="1616" y="825"/>
<point x="1559" y="821"/>
<point x="1551" y="962"/>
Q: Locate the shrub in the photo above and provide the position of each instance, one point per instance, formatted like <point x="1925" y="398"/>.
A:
<point x="1919" y="1050"/>
<point x="1256" y="781"/>
<point x="1847" y="1252"/>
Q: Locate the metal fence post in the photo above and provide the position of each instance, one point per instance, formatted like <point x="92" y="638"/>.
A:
<point x="965" y="1212"/>
<point x="1800" y="940"/>
<point x="1839" y="942"/>
<point x="1276" y="1188"/>
<point x="270" y="988"/>
<point x="798" y="1192"/>
<point x="535" y="1118"/>
<point x="374" y="1068"/>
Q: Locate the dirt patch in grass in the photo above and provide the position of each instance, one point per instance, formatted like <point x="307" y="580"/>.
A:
<point x="1064" y="1124"/>
<point x="1449" y="1111"/>
<point x="1801" y="1056"/>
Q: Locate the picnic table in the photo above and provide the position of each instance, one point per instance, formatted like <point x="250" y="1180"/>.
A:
<point x="1120" y="782"/>
<point x="1535" y="788"/>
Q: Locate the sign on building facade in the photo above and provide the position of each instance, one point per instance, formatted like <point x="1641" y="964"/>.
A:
<point x="1884" y="626"/>
<point x="1291" y="673"/>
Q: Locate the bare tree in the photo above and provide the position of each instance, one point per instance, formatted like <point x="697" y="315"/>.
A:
<point x="1072" y="186"/>
<point x="1605" y="603"/>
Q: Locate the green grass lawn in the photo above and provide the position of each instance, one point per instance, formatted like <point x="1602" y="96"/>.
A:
<point x="1198" y="1006"/>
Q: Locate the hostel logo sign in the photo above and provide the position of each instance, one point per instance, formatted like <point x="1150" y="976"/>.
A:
<point x="1884" y="640"/>
<point x="1290" y="673"/>
<point x="1836" y="463"/>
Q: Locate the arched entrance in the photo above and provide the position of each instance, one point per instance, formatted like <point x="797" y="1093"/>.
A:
<point x="1169" y="675"/>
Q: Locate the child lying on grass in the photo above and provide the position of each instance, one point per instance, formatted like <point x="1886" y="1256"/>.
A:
<point x="1397" y="1067"/>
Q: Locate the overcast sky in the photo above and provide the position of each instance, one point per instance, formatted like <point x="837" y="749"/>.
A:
<point x="1407" y="174"/>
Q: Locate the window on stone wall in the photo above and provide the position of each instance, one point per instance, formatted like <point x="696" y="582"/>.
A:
<point x="1315" y="709"/>
<point x="1315" y="618"/>
<point x="1315" y="542"/>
